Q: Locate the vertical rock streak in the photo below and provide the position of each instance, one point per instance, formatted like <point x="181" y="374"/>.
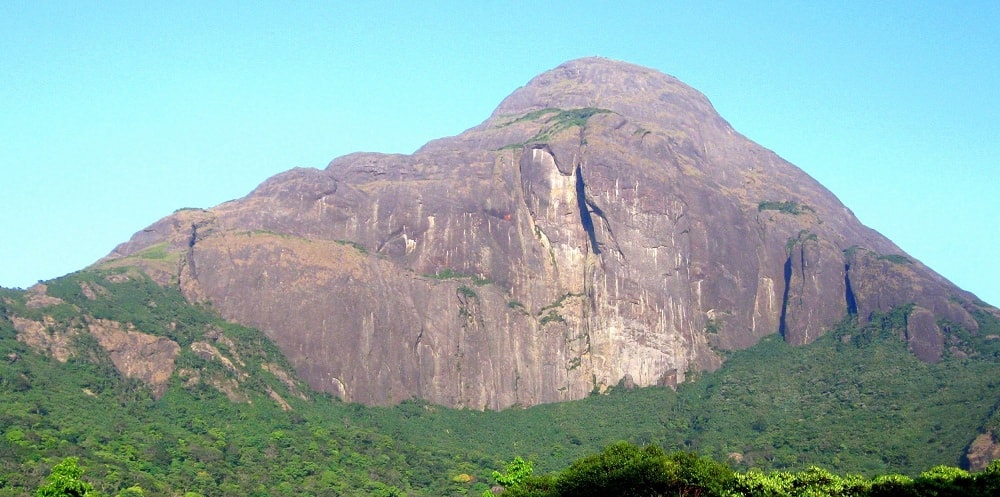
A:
<point x="585" y="219"/>
<point x="782" y="319"/>
<point x="852" y="303"/>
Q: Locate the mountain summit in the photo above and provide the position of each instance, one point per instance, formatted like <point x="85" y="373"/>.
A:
<point x="603" y="224"/>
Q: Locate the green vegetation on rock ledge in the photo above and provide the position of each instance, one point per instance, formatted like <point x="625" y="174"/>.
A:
<point x="450" y="274"/>
<point x="357" y="246"/>
<point x="855" y="401"/>
<point x="560" y="120"/>
<point x="895" y="258"/>
<point x="786" y="207"/>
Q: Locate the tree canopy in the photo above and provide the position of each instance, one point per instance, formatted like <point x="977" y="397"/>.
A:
<point x="66" y="481"/>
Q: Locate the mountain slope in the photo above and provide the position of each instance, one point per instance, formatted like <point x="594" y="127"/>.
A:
<point x="855" y="400"/>
<point x="83" y="373"/>
<point x="603" y="224"/>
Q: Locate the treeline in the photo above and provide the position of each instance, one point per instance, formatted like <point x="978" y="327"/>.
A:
<point x="625" y="469"/>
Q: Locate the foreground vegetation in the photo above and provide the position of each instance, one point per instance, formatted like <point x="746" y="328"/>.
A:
<point x="624" y="469"/>
<point x="855" y="402"/>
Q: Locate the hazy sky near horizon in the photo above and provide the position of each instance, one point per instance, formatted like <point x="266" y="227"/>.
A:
<point x="115" y="114"/>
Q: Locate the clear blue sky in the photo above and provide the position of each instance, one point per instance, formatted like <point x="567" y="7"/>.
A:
<point x="114" y="114"/>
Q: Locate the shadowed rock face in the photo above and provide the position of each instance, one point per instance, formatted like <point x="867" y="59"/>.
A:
<point x="604" y="223"/>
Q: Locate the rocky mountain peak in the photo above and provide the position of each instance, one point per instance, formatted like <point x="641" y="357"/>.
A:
<point x="633" y="91"/>
<point x="604" y="223"/>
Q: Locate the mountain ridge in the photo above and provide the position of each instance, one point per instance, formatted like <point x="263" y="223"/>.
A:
<point x="604" y="222"/>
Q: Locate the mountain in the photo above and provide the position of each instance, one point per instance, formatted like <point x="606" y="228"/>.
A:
<point x="603" y="229"/>
<point x="604" y="224"/>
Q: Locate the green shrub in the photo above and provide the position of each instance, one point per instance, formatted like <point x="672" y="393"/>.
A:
<point x="895" y="258"/>
<point x="551" y="317"/>
<point x="357" y="246"/>
<point x="786" y="207"/>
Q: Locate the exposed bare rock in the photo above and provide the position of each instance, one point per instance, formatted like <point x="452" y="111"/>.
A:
<point x="230" y="388"/>
<point x="136" y="354"/>
<point x="228" y="343"/>
<point x="230" y="384"/>
<point x="285" y="406"/>
<point x="923" y="335"/>
<point x="38" y="298"/>
<point x="45" y="337"/>
<point x="191" y="377"/>
<point x="982" y="451"/>
<point x="208" y="352"/>
<point x="605" y="222"/>
<point x="92" y="292"/>
<point x="285" y="378"/>
<point x="628" y="383"/>
<point x="882" y="282"/>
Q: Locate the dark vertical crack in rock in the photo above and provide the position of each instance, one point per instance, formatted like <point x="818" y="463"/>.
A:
<point x="190" y="251"/>
<point x="607" y="227"/>
<point x="585" y="219"/>
<point x="784" y="297"/>
<point x="852" y="303"/>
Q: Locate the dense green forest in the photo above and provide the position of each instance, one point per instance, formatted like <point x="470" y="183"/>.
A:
<point x="624" y="469"/>
<point x="853" y="402"/>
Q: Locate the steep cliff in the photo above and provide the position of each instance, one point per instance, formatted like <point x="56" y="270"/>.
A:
<point x="605" y="222"/>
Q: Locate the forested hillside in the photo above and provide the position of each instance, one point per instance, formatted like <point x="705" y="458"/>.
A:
<point x="231" y="418"/>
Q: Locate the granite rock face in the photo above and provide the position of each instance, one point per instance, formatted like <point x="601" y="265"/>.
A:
<point x="137" y="355"/>
<point x="983" y="450"/>
<point x="605" y="223"/>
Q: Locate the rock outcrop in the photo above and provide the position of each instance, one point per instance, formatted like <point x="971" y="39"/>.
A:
<point x="63" y="330"/>
<point x="983" y="450"/>
<point x="45" y="338"/>
<point x="605" y="223"/>
<point x="136" y="354"/>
